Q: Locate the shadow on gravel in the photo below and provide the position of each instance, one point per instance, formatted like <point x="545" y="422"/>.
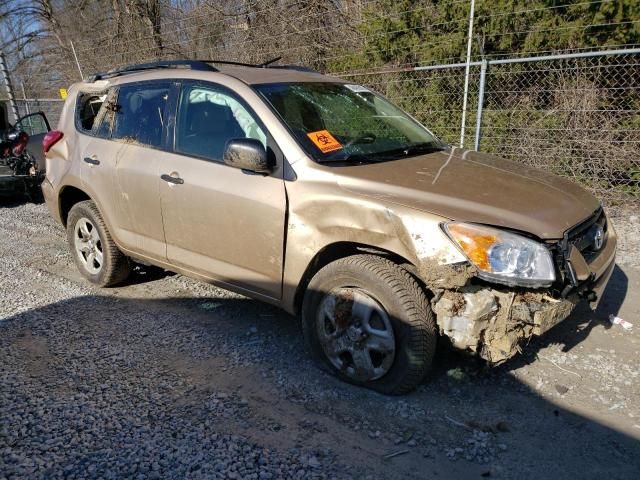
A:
<point x="614" y="294"/>
<point x="12" y="202"/>
<point x="18" y="200"/>
<point x="575" y="329"/>
<point x="82" y="377"/>
<point x="145" y="273"/>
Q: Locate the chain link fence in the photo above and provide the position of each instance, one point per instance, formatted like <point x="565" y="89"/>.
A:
<point x="51" y="108"/>
<point x="579" y="118"/>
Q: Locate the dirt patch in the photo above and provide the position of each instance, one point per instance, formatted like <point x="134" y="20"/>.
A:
<point x="445" y="276"/>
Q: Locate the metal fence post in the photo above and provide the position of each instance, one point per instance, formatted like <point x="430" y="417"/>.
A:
<point x="483" y="76"/>
<point x="466" y="75"/>
<point x="7" y="82"/>
<point x="24" y="97"/>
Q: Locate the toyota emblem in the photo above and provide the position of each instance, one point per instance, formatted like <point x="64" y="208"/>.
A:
<point x="598" y="238"/>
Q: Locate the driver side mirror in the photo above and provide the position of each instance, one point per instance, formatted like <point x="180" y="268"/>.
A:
<point x="247" y="154"/>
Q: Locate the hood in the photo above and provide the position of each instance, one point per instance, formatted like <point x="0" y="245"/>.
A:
<point x="475" y="187"/>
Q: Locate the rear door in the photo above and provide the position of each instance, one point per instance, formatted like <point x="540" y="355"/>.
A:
<point x="124" y="134"/>
<point x="219" y="221"/>
<point x="137" y="144"/>
<point x="91" y="153"/>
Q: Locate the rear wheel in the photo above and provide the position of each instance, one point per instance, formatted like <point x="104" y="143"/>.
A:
<point x="94" y="251"/>
<point x="367" y="320"/>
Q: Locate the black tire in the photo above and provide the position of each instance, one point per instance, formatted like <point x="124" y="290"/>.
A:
<point x="116" y="266"/>
<point x="404" y="301"/>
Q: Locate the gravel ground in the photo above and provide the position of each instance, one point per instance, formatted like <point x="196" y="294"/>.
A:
<point x="167" y="377"/>
<point x="626" y="221"/>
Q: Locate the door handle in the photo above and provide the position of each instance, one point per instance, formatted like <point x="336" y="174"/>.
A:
<point x="170" y="179"/>
<point x="92" y="160"/>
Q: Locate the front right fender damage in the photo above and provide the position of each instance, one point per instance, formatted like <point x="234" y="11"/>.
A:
<point x="483" y="319"/>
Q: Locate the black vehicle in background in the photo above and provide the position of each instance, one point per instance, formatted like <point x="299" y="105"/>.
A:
<point x="22" y="165"/>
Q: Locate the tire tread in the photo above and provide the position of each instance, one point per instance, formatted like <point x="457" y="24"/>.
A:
<point x="410" y="295"/>
<point x="117" y="268"/>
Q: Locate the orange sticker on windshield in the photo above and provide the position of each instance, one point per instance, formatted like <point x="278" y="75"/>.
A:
<point x="324" y="141"/>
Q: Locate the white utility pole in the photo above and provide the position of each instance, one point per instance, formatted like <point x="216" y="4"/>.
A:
<point x="73" y="49"/>
<point x="24" y="97"/>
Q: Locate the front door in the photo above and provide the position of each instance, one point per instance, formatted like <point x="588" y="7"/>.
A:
<point x="219" y="221"/>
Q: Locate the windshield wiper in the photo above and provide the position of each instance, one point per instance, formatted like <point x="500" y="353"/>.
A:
<point x="426" y="147"/>
<point x="364" y="138"/>
<point x="351" y="158"/>
<point x="396" y="153"/>
<point x="409" y="151"/>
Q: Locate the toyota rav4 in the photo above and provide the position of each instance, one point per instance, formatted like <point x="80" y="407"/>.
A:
<point x="322" y="197"/>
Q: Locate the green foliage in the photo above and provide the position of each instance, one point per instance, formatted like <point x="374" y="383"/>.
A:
<point x="431" y="31"/>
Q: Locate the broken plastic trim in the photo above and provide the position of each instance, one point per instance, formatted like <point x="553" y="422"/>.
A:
<point x="571" y="281"/>
<point x="494" y="323"/>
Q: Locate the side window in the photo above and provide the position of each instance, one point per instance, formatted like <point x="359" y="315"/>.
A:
<point x="104" y="120"/>
<point x="87" y="108"/>
<point x="33" y="124"/>
<point x="139" y="114"/>
<point x="208" y="118"/>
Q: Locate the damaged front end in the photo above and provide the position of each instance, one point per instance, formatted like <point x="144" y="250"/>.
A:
<point x="493" y="323"/>
<point x="493" y="314"/>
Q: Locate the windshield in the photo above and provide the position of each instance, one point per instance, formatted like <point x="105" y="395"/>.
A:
<point x="347" y="123"/>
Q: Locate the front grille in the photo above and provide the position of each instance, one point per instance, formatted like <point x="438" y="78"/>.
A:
<point x="583" y="235"/>
<point x="583" y="238"/>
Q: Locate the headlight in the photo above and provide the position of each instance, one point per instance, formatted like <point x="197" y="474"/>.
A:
<point x="502" y="256"/>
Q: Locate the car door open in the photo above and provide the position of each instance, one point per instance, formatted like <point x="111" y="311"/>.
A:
<point x="36" y="126"/>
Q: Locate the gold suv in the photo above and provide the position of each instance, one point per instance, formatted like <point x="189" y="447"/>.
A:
<point x="321" y="197"/>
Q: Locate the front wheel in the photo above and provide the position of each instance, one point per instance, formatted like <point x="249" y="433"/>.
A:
<point x="369" y="322"/>
<point x="94" y="251"/>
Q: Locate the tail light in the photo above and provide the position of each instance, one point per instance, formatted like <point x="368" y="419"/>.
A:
<point x="50" y="139"/>
<point x="20" y="144"/>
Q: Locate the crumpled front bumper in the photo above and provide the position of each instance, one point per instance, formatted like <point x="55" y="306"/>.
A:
<point x="494" y="321"/>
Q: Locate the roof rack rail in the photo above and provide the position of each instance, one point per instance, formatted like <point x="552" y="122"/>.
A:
<point x="299" y="68"/>
<point x="202" y="65"/>
<point x="267" y="64"/>
<point x="228" y="62"/>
